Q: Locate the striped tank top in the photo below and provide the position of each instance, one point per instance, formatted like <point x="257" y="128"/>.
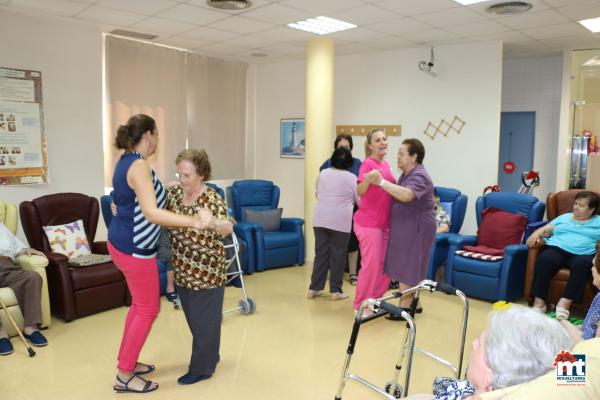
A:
<point x="129" y="231"/>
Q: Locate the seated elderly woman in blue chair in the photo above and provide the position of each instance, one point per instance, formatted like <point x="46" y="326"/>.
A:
<point x="570" y="241"/>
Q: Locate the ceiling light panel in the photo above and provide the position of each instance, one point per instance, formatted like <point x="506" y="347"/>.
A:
<point x="468" y="2"/>
<point x="591" y="24"/>
<point x="321" y="25"/>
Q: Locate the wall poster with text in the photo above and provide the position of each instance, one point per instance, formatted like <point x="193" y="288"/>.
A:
<point x="23" y="156"/>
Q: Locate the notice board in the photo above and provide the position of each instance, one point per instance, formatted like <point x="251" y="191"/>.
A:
<point x="23" y="158"/>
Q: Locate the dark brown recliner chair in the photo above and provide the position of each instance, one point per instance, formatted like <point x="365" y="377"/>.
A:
<point x="557" y="204"/>
<point x="74" y="292"/>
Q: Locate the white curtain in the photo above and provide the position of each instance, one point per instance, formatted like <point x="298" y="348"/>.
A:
<point x="194" y="99"/>
<point x="216" y="109"/>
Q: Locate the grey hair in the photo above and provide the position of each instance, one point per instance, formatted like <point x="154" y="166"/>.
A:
<point x="521" y="345"/>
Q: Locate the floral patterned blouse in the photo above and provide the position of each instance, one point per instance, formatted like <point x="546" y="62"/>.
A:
<point x="441" y="216"/>
<point x="198" y="256"/>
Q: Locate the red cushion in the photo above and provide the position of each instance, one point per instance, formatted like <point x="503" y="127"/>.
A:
<point x="484" y="250"/>
<point x="500" y="228"/>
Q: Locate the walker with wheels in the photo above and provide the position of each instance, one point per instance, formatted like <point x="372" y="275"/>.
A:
<point x="246" y="305"/>
<point x="380" y="307"/>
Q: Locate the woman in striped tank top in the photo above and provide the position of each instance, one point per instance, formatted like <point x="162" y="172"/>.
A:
<point x="132" y="241"/>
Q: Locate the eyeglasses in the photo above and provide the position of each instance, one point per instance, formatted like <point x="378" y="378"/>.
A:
<point x="187" y="176"/>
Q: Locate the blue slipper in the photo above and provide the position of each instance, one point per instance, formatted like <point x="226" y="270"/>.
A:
<point x="189" y="379"/>
<point x="36" y="339"/>
<point x="6" y="347"/>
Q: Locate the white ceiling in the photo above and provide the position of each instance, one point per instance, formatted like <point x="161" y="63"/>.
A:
<point x="382" y="24"/>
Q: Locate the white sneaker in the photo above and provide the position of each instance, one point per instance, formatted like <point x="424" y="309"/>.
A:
<point x="339" y="296"/>
<point x="562" y="313"/>
<point x="313" y="293"/>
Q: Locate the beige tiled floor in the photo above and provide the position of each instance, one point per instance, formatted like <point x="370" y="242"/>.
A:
<point x="291" y="348"/>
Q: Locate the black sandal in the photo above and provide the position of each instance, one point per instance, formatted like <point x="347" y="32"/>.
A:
<point x="125" y="388"/>
<point x="171" y="296"/>
<point x="149" y="366"/>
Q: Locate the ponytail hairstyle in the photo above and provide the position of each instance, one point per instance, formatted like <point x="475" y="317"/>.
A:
<point x="368" y="141"/>
<point x="130" y="134"/>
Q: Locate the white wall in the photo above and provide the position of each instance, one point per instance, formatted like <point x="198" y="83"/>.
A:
<point x="388" y="88"/>
<point x="279" y="92"/>
<point x="535" y="84"/>
<point x="69" y="55"/>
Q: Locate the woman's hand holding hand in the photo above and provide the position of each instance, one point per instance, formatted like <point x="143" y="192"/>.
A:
<point x="373" y="177"/>
<point x="534" y="240"/>
<point x="203" y="219"/>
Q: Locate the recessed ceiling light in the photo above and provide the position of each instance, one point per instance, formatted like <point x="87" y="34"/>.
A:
<point x="321" y="25"/>
<point x="467" y="2"/>
<point x="229" y="4"/>
<point x="509" y="8"/>
<point x="591" y="24"/>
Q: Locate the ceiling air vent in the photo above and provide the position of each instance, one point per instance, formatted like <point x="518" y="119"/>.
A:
<point x="131" y="34"/>
<point x="229" y="4"/>
<point x="509" y="8"/>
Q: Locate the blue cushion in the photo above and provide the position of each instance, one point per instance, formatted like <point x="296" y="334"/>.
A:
<point x="276" y="240"/>
<point x="516" y="203"/>
<point x="477" y="267"/>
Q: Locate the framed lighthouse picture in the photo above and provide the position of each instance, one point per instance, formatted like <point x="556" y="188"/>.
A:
<point x="291" y="138"/>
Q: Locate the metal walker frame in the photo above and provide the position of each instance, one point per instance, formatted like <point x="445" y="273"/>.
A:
<point x="246" y="305"/>
<point x="380" y="307"/>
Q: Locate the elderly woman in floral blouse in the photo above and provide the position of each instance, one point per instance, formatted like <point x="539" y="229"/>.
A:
<point x="198" y="259"/>
<point x="442" y="220"/>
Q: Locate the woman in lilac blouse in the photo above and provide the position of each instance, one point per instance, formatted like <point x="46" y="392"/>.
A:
<point x="332" y="222"/>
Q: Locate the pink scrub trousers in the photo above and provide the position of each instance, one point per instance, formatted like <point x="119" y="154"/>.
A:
<point x="372" y="281"/>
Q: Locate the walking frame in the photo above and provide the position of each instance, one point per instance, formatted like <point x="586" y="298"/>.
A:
<point x="380" y="307"/>
<point x="246" y="305"/>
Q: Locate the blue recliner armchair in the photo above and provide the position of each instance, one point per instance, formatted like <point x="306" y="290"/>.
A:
<point x="494" y="280"/>
<point x="458" y="207"/>
<point x="271" y="249"/>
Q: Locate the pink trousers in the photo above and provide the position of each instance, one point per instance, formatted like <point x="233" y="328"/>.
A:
<point x="141" y="275"/>
<point x="372" y="281"/>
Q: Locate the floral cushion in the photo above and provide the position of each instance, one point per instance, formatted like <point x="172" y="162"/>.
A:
<point x="68" y="239"/>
